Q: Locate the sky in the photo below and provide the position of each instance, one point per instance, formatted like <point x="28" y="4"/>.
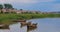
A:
<point x="39" y="5"/>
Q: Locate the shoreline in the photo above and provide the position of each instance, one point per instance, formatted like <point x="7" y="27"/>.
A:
<point x="6" y="18"/>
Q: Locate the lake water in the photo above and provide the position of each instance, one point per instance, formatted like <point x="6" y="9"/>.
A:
<point x="44" y="25"/>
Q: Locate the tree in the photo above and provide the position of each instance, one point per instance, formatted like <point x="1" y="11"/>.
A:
<point x="8" y="6"/>
<point x="1" y="6"/>
<point x="21" y="9"/>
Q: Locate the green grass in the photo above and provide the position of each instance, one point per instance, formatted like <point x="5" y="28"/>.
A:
<point x="6" y="18"/>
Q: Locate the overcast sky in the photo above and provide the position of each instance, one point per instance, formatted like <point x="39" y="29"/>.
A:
<point x="42" y="5"/>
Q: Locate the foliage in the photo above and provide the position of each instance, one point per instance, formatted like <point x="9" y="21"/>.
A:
<point x="8" y="6"/>
<point x="6" y="18"/>
<point x="1" y="6"/>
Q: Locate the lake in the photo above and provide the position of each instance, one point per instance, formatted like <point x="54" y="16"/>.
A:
<point x="44" y="25"/>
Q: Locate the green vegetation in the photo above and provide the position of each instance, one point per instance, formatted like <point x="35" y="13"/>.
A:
<point x="7" y="18"/>
<point x="8" y="6"/>
<point x="1" y="6"/>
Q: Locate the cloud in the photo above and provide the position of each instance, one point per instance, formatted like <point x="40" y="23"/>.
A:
<point x="24" y="1"/>
<point x="56" y="7"/>
<point x="18" y="1"/>
<point x="46" y="0"/>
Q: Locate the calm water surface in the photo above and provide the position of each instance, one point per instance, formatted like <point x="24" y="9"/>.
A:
<point x="44" y="25"/>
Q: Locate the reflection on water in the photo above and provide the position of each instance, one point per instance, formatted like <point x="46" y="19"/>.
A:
<point x="30" y="29"/>
<point x="44" y="25"/>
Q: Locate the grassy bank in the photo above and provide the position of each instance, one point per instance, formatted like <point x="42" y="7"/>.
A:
<point x="6" y="18"/>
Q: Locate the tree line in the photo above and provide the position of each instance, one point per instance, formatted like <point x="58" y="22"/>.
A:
<point x="7" y="6"/>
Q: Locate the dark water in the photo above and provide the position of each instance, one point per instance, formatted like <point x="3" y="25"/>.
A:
<point x="44" y="25"/>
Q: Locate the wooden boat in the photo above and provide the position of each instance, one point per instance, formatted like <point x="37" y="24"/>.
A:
<point x="30" y="29"/>
<point x="31" y="26"/>
<point x="2" y="26"/>
<point x="29" y="23"/>
<point x="19" y="21"/>
<point x="25" y="23"/>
